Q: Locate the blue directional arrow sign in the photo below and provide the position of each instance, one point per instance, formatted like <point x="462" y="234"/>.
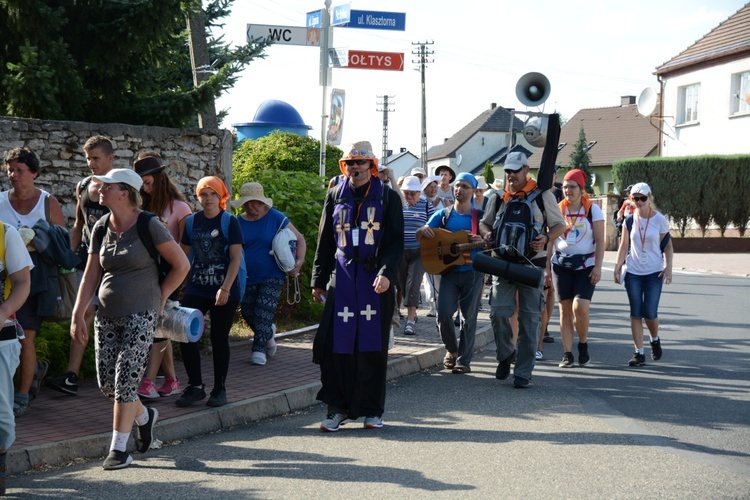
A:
<point x="375" y="20"/>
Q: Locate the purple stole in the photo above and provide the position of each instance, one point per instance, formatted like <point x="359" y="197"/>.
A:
<point x="356" y="320"/>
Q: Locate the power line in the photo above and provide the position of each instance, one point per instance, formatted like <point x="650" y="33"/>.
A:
<point x="422" y="62"/>
<point x="385" y="109"/>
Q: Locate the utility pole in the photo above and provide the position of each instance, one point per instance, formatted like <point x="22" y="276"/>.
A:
<point x="422" y="61"/>
<point x="385" y="111"/>
<point x="196" y="25"/>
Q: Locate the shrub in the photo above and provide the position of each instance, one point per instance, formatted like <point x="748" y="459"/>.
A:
<point x="53" y="346"/>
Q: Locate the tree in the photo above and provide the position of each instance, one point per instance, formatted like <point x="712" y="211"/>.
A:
<point x="489" y="175"/>
<point x="112" y="61"/>
<point x="580" y="158"/>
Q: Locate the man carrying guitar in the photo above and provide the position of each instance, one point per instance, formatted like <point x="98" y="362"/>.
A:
<point x="460" y="286"/>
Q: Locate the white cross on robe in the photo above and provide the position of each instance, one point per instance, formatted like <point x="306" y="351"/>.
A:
<point x="346" y="314"/>
<point x="368" y="312"/>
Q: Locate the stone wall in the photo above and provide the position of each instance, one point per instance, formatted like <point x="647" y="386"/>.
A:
<point x="188" y="153"/>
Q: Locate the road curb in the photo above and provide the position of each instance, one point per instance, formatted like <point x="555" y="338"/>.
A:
<point x="192" y="425"/>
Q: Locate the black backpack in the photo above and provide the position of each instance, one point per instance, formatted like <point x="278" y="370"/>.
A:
<point x="515" y="228"/>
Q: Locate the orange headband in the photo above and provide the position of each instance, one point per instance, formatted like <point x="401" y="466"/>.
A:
<point x="213" y="182"/>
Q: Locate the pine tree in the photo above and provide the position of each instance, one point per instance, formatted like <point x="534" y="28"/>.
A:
<point x="125" y="62"/>
<point x="580" y="158"/>
<point x="489" y="175"/>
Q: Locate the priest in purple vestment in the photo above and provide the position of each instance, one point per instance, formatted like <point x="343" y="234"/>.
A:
<point x="360" y="242"/>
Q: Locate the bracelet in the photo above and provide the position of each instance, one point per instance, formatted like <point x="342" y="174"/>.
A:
<point x="223" y="290"/>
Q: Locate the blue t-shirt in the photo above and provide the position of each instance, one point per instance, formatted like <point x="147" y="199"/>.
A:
<point x="258" y="236"/>
<point x="456" y="222"/>
<point x="210" y="255"/>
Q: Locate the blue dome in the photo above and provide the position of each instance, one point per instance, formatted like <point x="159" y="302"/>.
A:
<point x="272" y="115"/>
<point x="275" y="112"/>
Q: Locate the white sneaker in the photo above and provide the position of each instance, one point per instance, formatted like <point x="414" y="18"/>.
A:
<point x="332" y="422"/>
<point x="539" y="355"/>
<point x="373" y="423"/>
<point x="271" y="344"/>
<point x="257" y="358"/>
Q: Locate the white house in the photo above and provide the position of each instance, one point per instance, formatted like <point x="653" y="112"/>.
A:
<point x="705" y="93"/>
<point x="484" y="138"/>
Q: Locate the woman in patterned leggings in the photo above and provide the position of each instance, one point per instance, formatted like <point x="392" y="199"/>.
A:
<point x="125" y="322"/>
<point x="260" y="222"/>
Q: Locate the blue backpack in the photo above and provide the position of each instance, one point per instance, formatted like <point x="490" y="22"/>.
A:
<point x="226" y="217"/>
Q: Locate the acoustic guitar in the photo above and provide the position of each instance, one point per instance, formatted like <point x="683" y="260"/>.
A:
<point x="446" y="251"/>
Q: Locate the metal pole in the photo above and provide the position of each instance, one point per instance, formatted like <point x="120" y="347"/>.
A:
<point x="324" y="81"/>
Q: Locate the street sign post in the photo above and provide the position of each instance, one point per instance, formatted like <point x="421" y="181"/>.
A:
<point x="285" y="35"/>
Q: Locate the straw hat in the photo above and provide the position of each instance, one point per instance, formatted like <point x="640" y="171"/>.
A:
<point x="361" y="150"/>
<point x="251" y="191"/>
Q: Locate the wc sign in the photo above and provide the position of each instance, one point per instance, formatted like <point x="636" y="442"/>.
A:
<point x="364" y="59"/>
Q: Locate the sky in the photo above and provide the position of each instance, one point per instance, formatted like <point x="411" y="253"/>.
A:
<point x="592" y="51"/>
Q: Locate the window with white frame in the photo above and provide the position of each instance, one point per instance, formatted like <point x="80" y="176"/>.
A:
<point x="688" y="101"/>
<point x="740" y="98"/>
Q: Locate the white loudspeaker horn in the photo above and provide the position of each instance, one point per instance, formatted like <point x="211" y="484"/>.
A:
<point x="647" y="101"/>
<point x="535" y="130"/>
<point x="533" y="89"/>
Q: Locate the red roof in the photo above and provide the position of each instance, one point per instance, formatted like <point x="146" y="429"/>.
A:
<point x="729" y="40"/>
<point x="620" y="132"/>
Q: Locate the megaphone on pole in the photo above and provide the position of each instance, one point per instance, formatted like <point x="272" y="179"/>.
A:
<point x="533" y="89"/>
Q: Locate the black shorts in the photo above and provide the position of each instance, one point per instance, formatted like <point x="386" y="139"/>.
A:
<point x="571" y="284"/>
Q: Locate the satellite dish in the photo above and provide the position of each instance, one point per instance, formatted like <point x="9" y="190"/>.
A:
<point x="647" y="101"/>
<point x="458" y="160"/>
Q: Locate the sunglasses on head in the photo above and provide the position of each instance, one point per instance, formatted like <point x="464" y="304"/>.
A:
<point x="357" y="162"/>
<point x="640" y="198"/>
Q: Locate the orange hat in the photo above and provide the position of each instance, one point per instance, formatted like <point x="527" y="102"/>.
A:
<point x="361" y="150"/>
<point x="213" y="182"/>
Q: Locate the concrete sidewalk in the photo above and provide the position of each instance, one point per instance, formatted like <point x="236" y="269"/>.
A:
<point x="61" y="429"/>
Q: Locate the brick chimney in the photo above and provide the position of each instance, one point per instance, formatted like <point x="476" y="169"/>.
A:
<point x="627" y="100"/>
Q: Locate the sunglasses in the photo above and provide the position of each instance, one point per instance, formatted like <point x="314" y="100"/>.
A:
<point x="356" y="162"/>
<point x="640" y="198"/>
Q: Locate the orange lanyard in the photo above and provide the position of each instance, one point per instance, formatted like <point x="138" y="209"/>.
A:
<point x="569" y="216"/>
<point x="645" y="231"/>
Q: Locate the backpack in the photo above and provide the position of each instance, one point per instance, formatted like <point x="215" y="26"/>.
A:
<point x="515" y="228"/>
<point x="284" y="248"/>
<point x="226" y="217"/>
<point x="7" y="284"/>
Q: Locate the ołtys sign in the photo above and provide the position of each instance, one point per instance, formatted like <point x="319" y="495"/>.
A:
<point x="364" y="59"/>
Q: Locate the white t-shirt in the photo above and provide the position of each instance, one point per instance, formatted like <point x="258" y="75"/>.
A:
<point x="16" y="257"/>
<point x="645" y="255"/>
<point x="578" y="239"/>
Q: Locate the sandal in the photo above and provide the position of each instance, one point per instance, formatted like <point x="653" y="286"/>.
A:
<point x="449" y="361"/>
<point x="460" y="369"/>
<point x="409" y="330"/>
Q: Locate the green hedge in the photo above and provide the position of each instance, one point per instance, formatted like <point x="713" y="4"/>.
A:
<point x="53" y="346"/>
<point x="704" y="188"/>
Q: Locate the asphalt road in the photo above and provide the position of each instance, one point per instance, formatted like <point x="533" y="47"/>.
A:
<point x="677" y="428"/>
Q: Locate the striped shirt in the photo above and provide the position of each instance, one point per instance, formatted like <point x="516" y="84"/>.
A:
<point x="414" y="218"/>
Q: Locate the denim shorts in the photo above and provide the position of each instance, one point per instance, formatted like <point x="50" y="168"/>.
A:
<point x="644" y="293"/>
